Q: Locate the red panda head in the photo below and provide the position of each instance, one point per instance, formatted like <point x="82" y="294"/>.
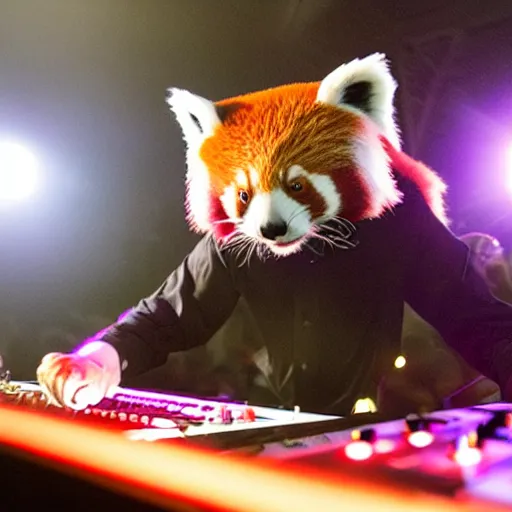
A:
<point x="277" y="164"/>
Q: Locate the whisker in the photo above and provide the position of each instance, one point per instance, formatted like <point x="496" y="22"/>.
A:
<point x="312" y="249"/>
<point x="345" y="224"/>
<point x="337" y="235"/>
<point x="296" y="213"/>
<point x="227" y="221"/>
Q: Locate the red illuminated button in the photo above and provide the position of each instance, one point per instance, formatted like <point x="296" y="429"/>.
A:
<point x="359" y="450"/>
<point x="249" y="414"/>
<point x="420" y="438"/>
<point x="465" y="450"/>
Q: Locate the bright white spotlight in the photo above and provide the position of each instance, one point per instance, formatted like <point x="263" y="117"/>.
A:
<point x="508" y="171"/>
<point x="18" y="172"/>
<point x="400" y="362"/>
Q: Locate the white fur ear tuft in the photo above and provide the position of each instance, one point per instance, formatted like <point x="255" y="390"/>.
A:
<point x="197" y="116"/>
<point x="366" y="86"/>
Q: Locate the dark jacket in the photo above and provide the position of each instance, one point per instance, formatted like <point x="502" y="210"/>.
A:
<point x="331" y="322"/>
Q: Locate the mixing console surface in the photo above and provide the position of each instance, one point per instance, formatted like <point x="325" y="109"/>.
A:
<point x="151" y="416"/>
<point x="463" y="453"/>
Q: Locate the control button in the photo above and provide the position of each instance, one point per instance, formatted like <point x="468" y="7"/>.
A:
<point x="414" y="424"/>
<point x="124" y="365"/>
<point x="491" y="429"/>
<point x="249" y="415"/>
<point x="303" y="367"/>
<point x="361" y="445"/>
<point x="465" y="450"/>
<point x="417" y="431"/>
<point x="368" y="434"/>
<point x="420" y="438"/>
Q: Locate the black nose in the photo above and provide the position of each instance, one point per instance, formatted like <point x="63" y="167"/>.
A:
<point x="271" y="231"/>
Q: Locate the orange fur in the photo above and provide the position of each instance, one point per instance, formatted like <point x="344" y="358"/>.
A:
<point x="271" y="130"/>
<point x="268" y="131"/>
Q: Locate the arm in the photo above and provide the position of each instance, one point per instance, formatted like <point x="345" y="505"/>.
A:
<point x="186" y="311"/>
<point x="444" y="288"/>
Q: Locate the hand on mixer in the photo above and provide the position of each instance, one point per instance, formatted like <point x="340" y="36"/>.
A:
<point x="82" y="378"/>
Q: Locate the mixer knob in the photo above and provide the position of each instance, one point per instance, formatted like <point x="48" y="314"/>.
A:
<point x="368" y="435"/>
<point x="417" y="432"/>
<point x="500" y="420"/>
<point x="465" y="450"/>
<point x="224" y="416"/>
<point x="361" y="446"/>
<point x="415" y="424"/>
<point x="249" y="415"/>
<point x="134" y="418"/>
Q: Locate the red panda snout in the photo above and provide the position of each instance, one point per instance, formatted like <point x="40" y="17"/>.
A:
<point x="285" y="216"/>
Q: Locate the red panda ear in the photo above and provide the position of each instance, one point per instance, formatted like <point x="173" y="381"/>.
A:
<point x="197" y="116"/>
<point x="366" y="86"/>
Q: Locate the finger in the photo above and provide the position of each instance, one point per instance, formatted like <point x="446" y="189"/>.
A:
<point x="56" y="375"/>
<point x="87" y="395"/>
<point x="68" y="372"/>
<point x="84" y="388"/>
<point x="50" y="358"/>
<point x="75" y="394"/>
<point x="45" y="377"/>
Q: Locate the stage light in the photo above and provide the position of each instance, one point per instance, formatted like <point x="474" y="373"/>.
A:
<point x="18" y="172"/>
<point x="400" y="362"/>
<point x="508" y="171"/>
<point x="364" y="405"/>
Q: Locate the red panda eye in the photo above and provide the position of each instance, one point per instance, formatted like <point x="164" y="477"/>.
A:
<point x="296" y="186"/>
<point x="244" y="196"/>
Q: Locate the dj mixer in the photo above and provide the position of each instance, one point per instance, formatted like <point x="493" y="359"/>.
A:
<point x="465" y="454"/>
<point x="460" y="455"/>
<point x="150" y="416"/>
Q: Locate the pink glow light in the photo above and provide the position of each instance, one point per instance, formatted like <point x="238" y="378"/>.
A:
<point x="420" y="439"/>
<point x="359" y="450"/>
<point x="508" y="171"/>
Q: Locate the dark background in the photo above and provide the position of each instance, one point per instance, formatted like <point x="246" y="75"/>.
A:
<point x="82" y="83"/>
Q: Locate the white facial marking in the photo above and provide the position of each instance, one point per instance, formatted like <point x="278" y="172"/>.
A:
<point x="241" y="180"/>
<point x="294" y="172"/>
<point x="254" y="177"/>
<point x="229" y="200"/>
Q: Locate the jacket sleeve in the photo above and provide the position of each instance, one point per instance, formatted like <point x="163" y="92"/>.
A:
<point x="442" y="285"/>
<point x="186" y="311"/>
